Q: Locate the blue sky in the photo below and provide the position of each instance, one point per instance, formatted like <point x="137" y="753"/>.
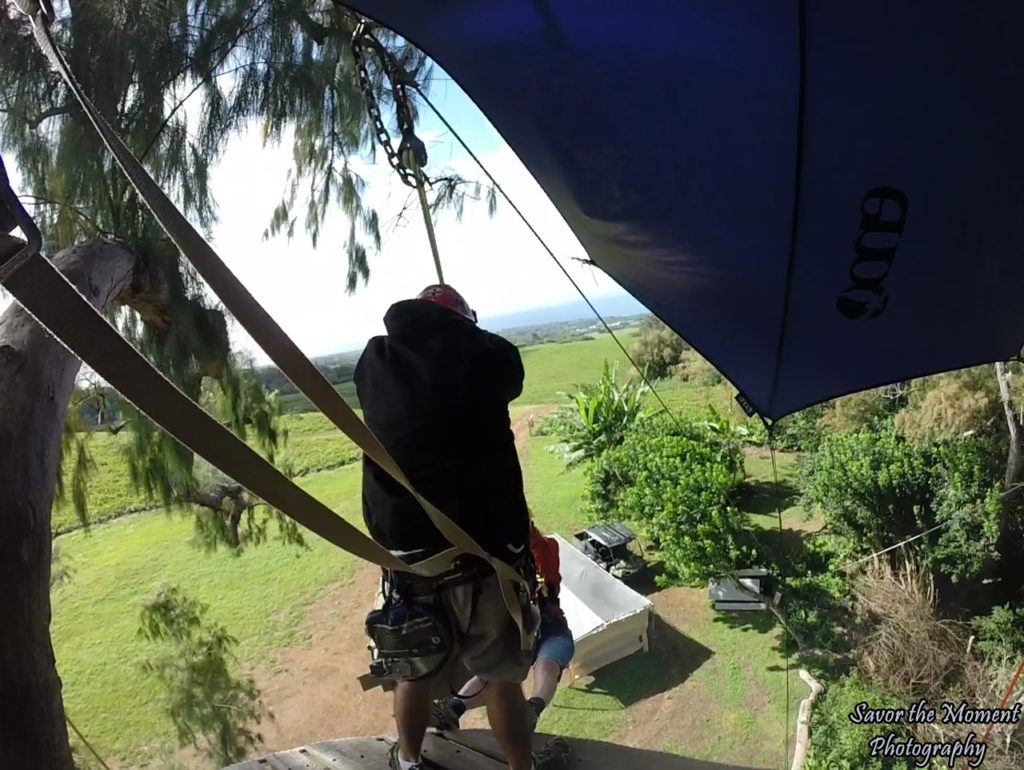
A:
<point x="495" y="262"/>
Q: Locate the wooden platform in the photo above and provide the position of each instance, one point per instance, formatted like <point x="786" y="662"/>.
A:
<point x="467" y="750"/>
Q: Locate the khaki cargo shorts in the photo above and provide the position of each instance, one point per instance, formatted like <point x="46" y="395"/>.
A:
<point x="485" y="639"/>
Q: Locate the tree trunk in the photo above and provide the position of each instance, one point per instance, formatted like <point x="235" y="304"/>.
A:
<point x="1010" y="579"/>
<point x="1015" y="457"/>
<point x="37" y="375"/>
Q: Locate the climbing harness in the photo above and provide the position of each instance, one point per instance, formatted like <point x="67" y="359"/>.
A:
<point x="58" y="306"/>
<point x="412" y="633"/>
<point x="410" y="158"/>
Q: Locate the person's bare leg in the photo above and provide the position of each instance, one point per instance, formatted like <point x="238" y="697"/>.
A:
<point x="412" y="713"/>
<point x="474" y="693"/>
<point x="506" y="711"/>
<point x="546" y="674"/>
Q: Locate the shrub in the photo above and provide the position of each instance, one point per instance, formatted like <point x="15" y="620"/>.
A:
<point x="910" y="652"/>
<point x="601" y="415"/>
<point x="750" y="431"/>
<point x="677" y="483"/>
<point x="698" y="370"/>
<point x="801" y="431"/>
<point x="969" y="500"/>
<point x="873" y="487"/>
<point x="877" y="489"/>
<point x="839" y="744"/>
<point x="1001" y="632"/>
<point x="952" y="405"/>
<point x="866" y="409"/>
<point x="817" y="596"/>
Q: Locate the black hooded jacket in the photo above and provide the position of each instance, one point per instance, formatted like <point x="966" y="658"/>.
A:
<point x="435" y="391"/>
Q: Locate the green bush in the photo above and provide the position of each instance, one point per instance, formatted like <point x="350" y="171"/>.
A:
<point x="865" y="409"/>
<point x="677" y="483"/>
<point x="601" y="415"/>
<point x="817" y="595"/>
<point x="698" y="370"/>
<point x="873" y="487"/>
<point x="657" y="350"/>
<point x="877" y="489"/>
<point x="968" y="499"/>
<point x="839" y="744"/>
<point x="1001" y="632"/>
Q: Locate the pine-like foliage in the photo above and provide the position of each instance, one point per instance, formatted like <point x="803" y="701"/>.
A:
<point x="213" y="709"/>
<point x="176" y="79"/>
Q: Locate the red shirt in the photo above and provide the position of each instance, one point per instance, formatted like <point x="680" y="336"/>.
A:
<point x="545" y="554"/>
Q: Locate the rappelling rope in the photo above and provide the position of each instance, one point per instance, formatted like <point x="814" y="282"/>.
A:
<point x="425" y="208"/>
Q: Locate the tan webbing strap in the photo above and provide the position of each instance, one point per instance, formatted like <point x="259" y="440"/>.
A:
<point x="273" y="340"/>
<point x="34" y="243"/>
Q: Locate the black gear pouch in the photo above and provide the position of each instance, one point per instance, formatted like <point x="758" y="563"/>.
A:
<point x="409" y="640"/>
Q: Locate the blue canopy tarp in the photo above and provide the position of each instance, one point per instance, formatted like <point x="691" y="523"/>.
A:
<point x="819" y="196"/>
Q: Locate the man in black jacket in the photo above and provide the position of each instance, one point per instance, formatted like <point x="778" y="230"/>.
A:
<point x="435" y="391"/>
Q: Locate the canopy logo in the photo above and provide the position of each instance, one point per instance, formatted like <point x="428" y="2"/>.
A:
<point x="883" y="213"/>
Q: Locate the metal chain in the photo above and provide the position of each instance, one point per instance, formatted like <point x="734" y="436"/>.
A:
<point x="411" y="156"/>
<point x="407" y="167"/>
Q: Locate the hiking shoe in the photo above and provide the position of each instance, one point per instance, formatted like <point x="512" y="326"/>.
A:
<point x="556" y="754"/>
<point x="443" y="716"/>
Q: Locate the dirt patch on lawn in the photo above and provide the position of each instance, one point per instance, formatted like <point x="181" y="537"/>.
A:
<point x="311" y="688"/>
<point x="521" y="426"/>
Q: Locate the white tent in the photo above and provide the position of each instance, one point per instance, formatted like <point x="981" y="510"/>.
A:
<point x="608" y="619"/>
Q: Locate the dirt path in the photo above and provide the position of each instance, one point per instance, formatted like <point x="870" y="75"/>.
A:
<point x="521" y="427"/>
<point x="311" y="688"/>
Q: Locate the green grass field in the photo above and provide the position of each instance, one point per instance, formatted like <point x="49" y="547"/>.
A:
<point x="314" y="445"/>
<point x="261" y="596"/>
<point x="258" y="596"/>
<point x="296" y="402"/>
<point x="558" y="368"/>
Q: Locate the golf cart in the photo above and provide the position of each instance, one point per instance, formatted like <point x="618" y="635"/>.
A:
<point x="608" y="546"/>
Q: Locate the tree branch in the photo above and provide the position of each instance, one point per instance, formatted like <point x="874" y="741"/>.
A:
<point x="213" y="498"/>
<point x="33" y="121"/>
<point x="310" y="26"/>
<point x="803" y="720"/>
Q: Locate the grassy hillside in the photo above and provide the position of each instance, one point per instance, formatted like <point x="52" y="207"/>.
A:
<point x="558" y="368"/>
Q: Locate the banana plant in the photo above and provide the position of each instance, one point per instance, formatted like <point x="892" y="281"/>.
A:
<point x="600" y="415"/>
